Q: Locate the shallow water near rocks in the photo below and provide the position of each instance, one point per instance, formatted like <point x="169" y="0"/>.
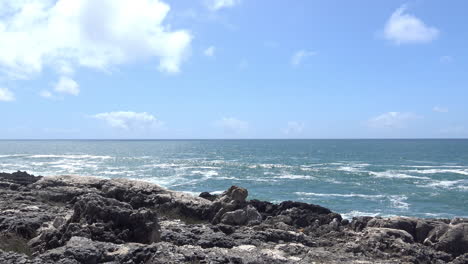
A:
<point x="423" y="178"/>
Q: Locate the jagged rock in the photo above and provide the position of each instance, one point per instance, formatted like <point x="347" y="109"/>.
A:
<point x="304" y="215"/>
<point x="103" y="219"/>
<point x="19" y="178"/>
<point x="387" y="243"/>
<point x="450" y="238"/>
<point x="462" y="259"/>
<point x="208" y="196"/>
<point x="360" y="222"/>
<point x="84" y="250"/>
<point x="15" y="258"/>
<point x="71" y="220"/>
<point x="248" y="215"/>
<point x="232" y="199"/>
<point x="130" y="225"/>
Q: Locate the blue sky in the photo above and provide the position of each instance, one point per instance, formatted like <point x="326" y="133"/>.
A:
<point x="233" y="69"/>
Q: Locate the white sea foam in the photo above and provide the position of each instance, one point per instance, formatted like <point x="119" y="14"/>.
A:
<point x="84" y="156"/>
<point x="395" y="174"/>
<point x="204" y="167"/>
<point x="69" y="168"/>
<point x="13" y="155"/>
<point x="171" y="181"/>
<point x="355" y="213"/>
<point x="208" y="174"/>
<point x="111" y="172"/>
<point x="336" y="181"/>
<point x="456" y="184"/>
<point x="309" y="169"/>
<point x="7" y="164"/>
<point x="313" y="165"/>
<point x="435" y="171"/>
<point x="268" y="166"/>
<point x="435" y="166"/>
<point x="225" y="178"/>
<point x="295" y="177"/>
<point x="259" y="179"/>
<point x="398" y="201"/>
<point x="121" y="172"/>
<point x="364" y="196"/>
<point x="162" y="165"/>
<point x="349" y="169"/>
<point x="433" y="215"/>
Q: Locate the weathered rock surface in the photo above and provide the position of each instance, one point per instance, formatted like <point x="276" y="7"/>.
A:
<point x="72" y="220"/>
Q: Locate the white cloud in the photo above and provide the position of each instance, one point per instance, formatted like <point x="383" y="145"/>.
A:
<point x="65" y="34"/>
<point x="130" y="120"/>
<point x="232" y="125"/>
<point x="46" y="94"/>
<point x="219" y="4"/>
<point x="392" y="120"/>
<point x="67" y="86"/>
<point x="210" y="51"/>
<point x="6" y="95"/>
<point x="440" y="109"/>
<point x="300" y="55"/>
<point x="403" y="28"/>
<point x="294" y="128"/>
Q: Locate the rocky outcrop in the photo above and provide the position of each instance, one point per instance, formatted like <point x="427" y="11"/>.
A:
<point x="67" y="219"/>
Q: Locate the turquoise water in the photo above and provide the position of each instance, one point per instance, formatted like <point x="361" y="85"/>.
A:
<point x="424" y="178"/>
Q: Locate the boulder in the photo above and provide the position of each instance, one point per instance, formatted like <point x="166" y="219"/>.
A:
<point x="232" y="199"/>
<point x="452" y="239"/>
<point x="418" y="228"/>
<point x="248" y="215"/>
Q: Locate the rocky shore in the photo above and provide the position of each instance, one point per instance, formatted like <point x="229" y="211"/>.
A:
<point x="70" y="219"/>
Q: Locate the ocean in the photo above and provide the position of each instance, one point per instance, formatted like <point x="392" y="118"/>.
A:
<point x="422" y="178"/>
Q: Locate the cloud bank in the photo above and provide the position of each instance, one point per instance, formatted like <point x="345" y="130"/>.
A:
<point x="103" y="34"/>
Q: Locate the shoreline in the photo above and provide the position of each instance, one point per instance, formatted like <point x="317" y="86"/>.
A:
<point x="69" y="219"/>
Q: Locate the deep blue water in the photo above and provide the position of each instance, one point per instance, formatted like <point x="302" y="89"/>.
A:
<point x="424" y="178"/>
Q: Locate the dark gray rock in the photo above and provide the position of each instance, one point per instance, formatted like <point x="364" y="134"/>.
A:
<point x="208" y="196"/>
<point x="70" y="220"/>
<point x="450" y="238"/>
<point x="19" y="178"/>
<point x="246" y="216"/>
